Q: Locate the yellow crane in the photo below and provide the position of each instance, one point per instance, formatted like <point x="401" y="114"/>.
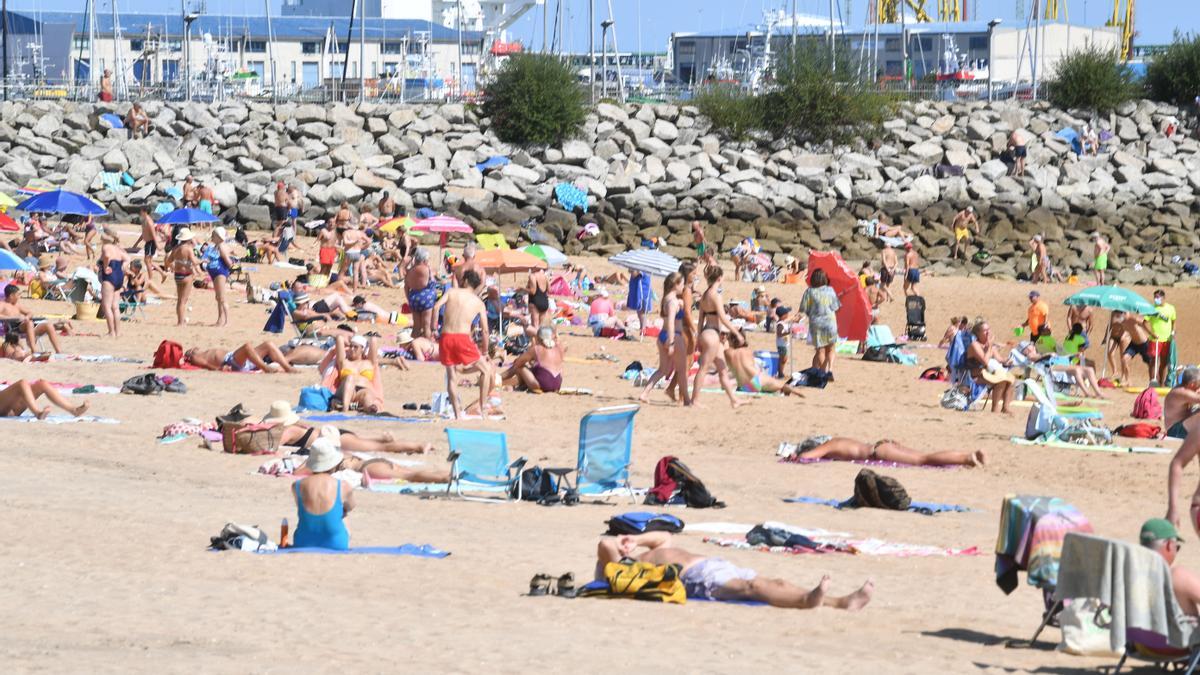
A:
<point x="1124" y="21"/>
<point x="888" y="11"/>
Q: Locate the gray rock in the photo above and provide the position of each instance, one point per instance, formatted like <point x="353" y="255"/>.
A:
<point x="344" y="190"/>
<point x="423" y="182"/>
<point x="576" y="152"/>
<point x="665" y="131"/>
<point x="304" y="114"/>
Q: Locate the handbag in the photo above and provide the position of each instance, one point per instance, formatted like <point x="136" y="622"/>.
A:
<point x="250" y="439"/>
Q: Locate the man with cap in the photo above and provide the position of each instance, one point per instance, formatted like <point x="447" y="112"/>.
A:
<point x="1160" y="536"/>
<point x="1037" y="317"/>
<point x="1100" y="251"/>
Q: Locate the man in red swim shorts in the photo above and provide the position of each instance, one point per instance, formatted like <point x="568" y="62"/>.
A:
<point x="459" y="353"/>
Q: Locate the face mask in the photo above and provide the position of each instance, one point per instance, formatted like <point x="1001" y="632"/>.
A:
<point x="1158" y="301"/>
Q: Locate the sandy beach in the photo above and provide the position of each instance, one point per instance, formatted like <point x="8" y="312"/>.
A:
<point x="106" y="567"/>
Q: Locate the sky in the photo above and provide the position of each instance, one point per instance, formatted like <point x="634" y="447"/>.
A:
<point x="646" y="25"/>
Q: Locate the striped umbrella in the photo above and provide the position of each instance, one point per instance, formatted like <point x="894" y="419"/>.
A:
<point x="646" y="260"/>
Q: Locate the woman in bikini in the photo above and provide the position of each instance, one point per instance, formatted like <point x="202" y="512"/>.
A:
<point x="22" y="395"/>
<point x="539" y="298"/>
<point x="672" y="316"/>
<point x="359" y="381"/>
<point x="685" y="335"/>
<point x="713" y="321"/>
<point x="182" y="263"/>
<point x="885" y="450"/>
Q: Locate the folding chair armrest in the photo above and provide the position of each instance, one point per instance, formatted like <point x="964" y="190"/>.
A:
<point x="517" y="465"/>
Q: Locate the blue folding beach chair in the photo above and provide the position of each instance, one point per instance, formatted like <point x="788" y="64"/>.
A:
<point x="605" y="451"/>
<point x="479" y="460"/>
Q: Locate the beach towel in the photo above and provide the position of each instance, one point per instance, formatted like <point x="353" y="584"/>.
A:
<point x="94" y="358"/>
<point x="492" y="162"/>
<point x="1135" y="583"/>
<point x="419" y="551"/>
<point x="797" y="459"/>
<point x="112" y="182"/>
<point x="343" y="417"/>
<point x="571" y="197"/>
<point x="875" y="547"/>
<point x="61" y="419"/>
<point x="406" y="488"/>
<point x="69" y="389"/>
<point x="926" y="508"/>
<point x="1020" y="516"/>
<point x="1148" y="450"/>
<point x="174" y="192"/>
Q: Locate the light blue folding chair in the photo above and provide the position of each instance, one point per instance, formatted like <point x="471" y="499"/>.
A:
<point x="605" y="450"/>
<point x="479" y="461"/>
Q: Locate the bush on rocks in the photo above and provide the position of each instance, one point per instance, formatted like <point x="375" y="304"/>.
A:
<point x="534" y="100"/>
<point x="732" y="112"/>
<point x="1093" y="79"/>
<point x="1174" y="75"/>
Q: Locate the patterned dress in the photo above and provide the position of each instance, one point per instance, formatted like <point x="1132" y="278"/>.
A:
<point x="821" y="306"/>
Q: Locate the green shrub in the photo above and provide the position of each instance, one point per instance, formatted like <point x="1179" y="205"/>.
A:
<point x="732" y="112"/>
<point x="1174" y="76"/>
<point x="1091" y="78"/>
<point x="534" y="100"/>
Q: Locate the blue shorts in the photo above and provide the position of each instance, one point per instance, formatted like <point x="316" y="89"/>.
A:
<point x="913" y="275"/>
<point x="424" y="299"/>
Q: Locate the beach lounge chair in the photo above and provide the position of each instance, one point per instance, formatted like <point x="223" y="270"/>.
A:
<point x="1134" y="584"/>
<point x="130" y="306"/>
<point x="605" y="451"/>
<point x="1048" y="422"/>
<point x="479" y="459"/>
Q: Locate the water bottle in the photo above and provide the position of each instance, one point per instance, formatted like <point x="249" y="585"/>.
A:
<point x="283" y="534"/>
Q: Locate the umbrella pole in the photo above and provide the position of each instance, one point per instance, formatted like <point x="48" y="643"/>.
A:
<point x="1107" y="332"/>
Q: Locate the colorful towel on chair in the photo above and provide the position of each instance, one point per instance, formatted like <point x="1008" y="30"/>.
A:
<point x="797" y="459"/>
<point x="1025" y="544"/>
<point x="877" y="547"/>
<point x="571" y="197"/>
<point x="421" y="551"/>
<point x="926" y="508"/>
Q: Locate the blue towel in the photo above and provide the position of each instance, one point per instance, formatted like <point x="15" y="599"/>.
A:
<point x="425" y="212"/>
<point x="174" y="192"/>
<point x="163" y="209"/>
<point x="492" y="162"/>
<point x="342" y="417"/>
<point x="114" y="120"/>
<point x="571" y="197"/>
<point x="927" y="508"/>
<point x="422" y="551"/>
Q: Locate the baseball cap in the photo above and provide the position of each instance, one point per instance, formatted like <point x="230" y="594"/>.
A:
<point x="1035" y="294"/>
<point x="1158" y="529"/>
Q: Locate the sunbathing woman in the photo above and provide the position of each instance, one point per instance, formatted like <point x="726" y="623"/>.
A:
<point x="360" y="380"/>
<point x="296" y="434"/>
<point x="848" y="450"/>
<point x="713" y="321"/>
<point x="22" y="395"/>
<point x="244" y="359"/>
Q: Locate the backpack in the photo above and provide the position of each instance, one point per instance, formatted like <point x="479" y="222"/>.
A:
<point x="640" y="581"/>
<point x="1147" y="406"/>
<point x="315" y="398"/>
<point x="1139" y="430"/>
<point x="678" y="479"/>
<point x="535" y="485"/>
<point x="144" y="385"/>
<point x="168" y="355"/>
<point x="879" y="492"/>
<point x="639" y="522"/>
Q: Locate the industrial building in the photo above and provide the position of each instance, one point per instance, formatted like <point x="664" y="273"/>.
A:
<point x="959" y="50"/>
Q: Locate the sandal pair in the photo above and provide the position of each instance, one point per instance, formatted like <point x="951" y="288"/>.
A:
<point x="544" y="584"/>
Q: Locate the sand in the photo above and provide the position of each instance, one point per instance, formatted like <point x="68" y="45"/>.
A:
<point x="106" y="566"/>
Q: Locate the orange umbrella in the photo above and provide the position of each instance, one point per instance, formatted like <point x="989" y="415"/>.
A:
<point x="503" y="261"/>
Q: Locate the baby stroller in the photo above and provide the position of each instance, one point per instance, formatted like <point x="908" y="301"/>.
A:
<point x="914" y="309"/>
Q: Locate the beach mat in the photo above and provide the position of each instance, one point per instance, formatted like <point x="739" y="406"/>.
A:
<point x="795" y="459"/>
<point x="94" y="358"/>
<point x="62" y="419"/>
<point x="743" y="392"/>
<point x="1147" y="450"/>
<point x="422" y="551"/>
<point x="405" y="488"/>
<point x="875" y="547"/>
<point x="926" y="508"/>
<point x="344" y="417"/>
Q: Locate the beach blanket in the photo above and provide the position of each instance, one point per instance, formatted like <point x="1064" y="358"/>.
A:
<point x="1133" y="581"/>
<point x="68" y="389"/>
<point x="875" y="547"/>
<point x="571" y="197"/>
<point x="492" y="162"/>
<point x="61" y="419"/>
<point x="419" y="551"/>
<point x="797" y="459"/>
<point x="399" y="487"/>
<point x="1148" y="450"/>
<point x="743" y="528"/>
<point x="926" y="508"/>
<point x="344" y="417"/>
<point x="94" y="358"/>
<point x="112" y="182"/>
<point x="1020" y="546"/>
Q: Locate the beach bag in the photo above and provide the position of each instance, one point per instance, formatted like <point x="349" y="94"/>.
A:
<point x="688" y="486"/>
<point x="168" y="355"/>
<point x="879" y="492"/>
<point x="250" y="439"/>
<point x="235" y="537"/>
<point x="1082" y="634"/>
<point x="535" y="486"/>
<point x="1147" y="406"/>
<point x="1139" y="430"/>
<point x="143" y="385"/>
<point x="1038" y="423"/>
<point x="954" y="399"/>
<point x="315" y="398"/>
<point x="641" y="581"/>
<point x="639" y="522"/>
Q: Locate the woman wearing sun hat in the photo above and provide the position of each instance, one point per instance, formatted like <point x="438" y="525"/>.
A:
<point x="322" y="501"/>
<point x="182" y="262"/>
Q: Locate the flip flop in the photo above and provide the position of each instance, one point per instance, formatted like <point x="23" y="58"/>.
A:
<point x="539" y="585"/>
<point x="565" y="586"/>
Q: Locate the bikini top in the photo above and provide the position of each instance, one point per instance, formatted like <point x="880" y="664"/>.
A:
<point x="369" y="373"/>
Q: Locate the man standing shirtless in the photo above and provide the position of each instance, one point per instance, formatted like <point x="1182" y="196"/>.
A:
<point x="279" y="212"/>
<point x="458" y="352"/>
<point x="718" y="579"/>
<point x="1180" y="403"/>
<point x="912" y="273"/>
<point x="963" y="223"/>
<point x="327" y="248"/>
<point x="149" y="242"/>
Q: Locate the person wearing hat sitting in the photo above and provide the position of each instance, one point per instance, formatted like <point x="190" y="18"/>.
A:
<point x="266" y="358"/>
<point x="1160" y="536"/>
<point x="539" y="368"/>
<point x="322" y="501"/>
<point x="183" y="263"/>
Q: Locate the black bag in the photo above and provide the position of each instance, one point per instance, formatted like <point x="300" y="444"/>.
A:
<point x="640" y="522"/>
<point x="879" y="492"/>
<point x="947" y="170"/>
<point x="773" y="536"/>
<point x="535" y="486"/>
<point x="693" y="490"/>
<point x="142" y="384"/>
<point x="877" y="354"/>
<point x="516" y="345"/>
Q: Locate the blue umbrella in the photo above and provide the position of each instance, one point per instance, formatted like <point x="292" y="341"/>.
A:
<point x="10" y="261"/>
<point x="188" y="217"/>
<point x="62" y="202"/>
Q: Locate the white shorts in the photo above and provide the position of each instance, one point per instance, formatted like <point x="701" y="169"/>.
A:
<point x="707" y="578"/>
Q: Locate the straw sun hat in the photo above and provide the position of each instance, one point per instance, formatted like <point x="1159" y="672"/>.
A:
<point x="281" y="413"/>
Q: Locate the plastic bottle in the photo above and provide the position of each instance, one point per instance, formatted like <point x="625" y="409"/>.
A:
<point x="283" y="534"/>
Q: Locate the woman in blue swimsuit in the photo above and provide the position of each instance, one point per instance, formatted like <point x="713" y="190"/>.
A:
<point x="112" y="280"/>
<point x="219" y="265"/>
<point x="671" y="311"/>
<point x="322" y="501"/>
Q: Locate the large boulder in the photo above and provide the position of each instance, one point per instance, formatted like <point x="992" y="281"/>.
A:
<point x="344" y="190"/>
